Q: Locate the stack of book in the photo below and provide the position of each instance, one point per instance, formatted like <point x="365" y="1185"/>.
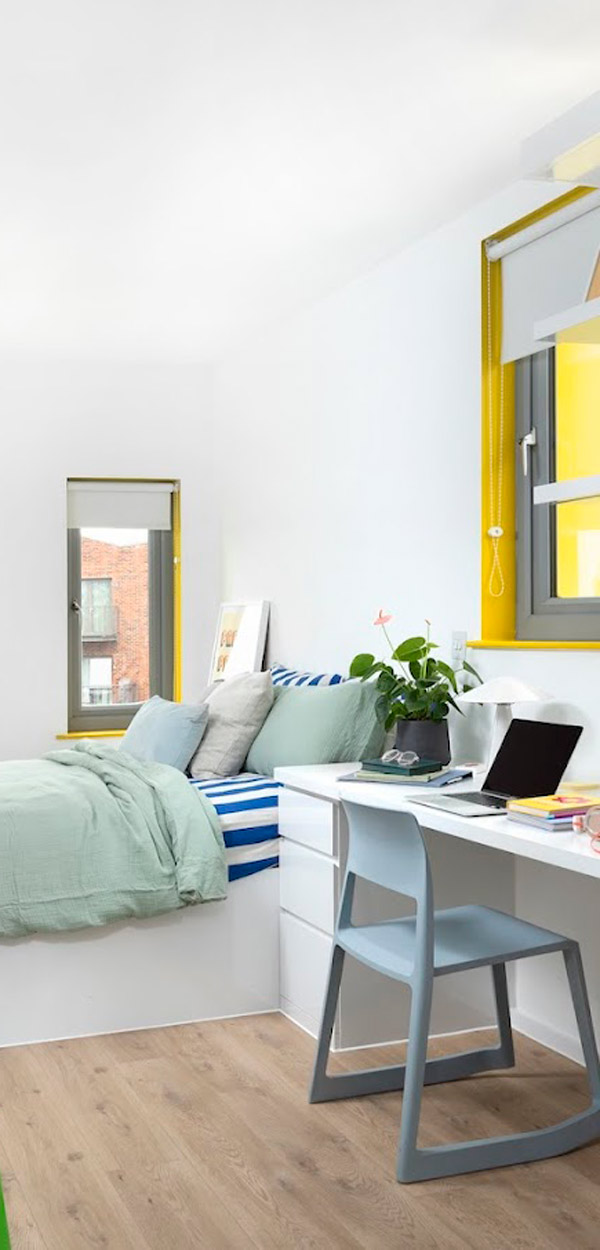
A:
<point x="424" y="773"/>
<point x="550" y="811"/>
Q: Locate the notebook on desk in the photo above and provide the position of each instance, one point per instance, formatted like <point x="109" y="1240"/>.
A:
<point x="531" y="760"/>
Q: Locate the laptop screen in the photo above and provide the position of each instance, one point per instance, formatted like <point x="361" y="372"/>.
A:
<point x="532" y="759"/>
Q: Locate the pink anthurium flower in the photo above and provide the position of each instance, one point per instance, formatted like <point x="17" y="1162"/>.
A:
<point x="383" y="618"/>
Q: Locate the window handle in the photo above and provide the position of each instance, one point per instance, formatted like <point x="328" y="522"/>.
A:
<point x="75" y="606"/>
<point x="528" y="440"/>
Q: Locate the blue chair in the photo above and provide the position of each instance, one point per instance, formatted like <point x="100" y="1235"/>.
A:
<point x="387" y="848"/>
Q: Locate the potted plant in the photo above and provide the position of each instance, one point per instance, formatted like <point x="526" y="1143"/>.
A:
<point x="416" y="692"/>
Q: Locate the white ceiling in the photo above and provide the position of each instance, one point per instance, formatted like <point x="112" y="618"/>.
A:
<point x="175" y="172"/>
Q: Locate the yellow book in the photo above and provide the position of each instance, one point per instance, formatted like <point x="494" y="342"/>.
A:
<point x="552" y="805"/>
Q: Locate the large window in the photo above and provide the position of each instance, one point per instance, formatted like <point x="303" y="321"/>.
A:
<point x="540" y="428"/>
<point x="558" y="514"/>
<point x="120" y="606"/>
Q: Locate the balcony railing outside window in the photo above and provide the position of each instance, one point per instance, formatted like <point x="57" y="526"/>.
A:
<point x="95" y="696"/>
<point x="108" y="696"/>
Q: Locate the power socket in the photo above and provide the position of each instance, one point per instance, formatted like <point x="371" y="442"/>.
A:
<point x="459" y="649"/>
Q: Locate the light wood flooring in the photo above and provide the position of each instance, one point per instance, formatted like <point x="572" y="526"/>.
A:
<point x="201" y="1136"/>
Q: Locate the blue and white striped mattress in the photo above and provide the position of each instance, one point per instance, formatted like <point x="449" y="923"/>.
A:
<point x="248" y="810"/>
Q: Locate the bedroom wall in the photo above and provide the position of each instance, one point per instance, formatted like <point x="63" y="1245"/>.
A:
<point x="350" y="480"/>
<point x="62" y="418"/>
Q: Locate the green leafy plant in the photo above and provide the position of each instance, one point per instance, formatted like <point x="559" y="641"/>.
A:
<point x="414" y="684"/>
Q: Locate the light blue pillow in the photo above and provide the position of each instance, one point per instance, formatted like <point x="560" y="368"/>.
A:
<point x="166" y="733"/>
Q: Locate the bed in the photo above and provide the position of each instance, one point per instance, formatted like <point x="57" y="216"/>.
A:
<point x="205" y="961"/>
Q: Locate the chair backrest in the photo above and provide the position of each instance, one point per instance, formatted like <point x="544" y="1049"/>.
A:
<point x="388" y="848"/>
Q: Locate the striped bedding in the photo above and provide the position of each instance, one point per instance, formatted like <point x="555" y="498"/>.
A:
<point x="248" y="809"/>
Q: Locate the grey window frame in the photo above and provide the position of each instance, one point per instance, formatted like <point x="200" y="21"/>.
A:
<point x="541" y="615"/>
<point x="160" y="568"/>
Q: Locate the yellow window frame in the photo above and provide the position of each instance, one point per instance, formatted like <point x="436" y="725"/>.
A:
<point x="498" y="611"/>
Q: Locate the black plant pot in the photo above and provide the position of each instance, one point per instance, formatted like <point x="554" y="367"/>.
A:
<point x="428" y="738"/>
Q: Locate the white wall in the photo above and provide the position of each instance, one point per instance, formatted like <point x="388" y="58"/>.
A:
<point x="61" y="418"/>
<point x="351" y="480"/>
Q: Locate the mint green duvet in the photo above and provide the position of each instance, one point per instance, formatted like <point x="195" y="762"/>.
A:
<point x="89" y="835"/>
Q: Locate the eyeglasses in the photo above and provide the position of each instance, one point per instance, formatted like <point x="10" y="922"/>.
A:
<point x="400" y="757"/>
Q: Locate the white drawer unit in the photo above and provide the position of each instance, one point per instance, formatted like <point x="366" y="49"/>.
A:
<point x="309" y="821"/>
<point x="309" y="889"/>
<point x="304" y="964"/>
<point x="307" y="884"/>
<point x="312" y="855"/>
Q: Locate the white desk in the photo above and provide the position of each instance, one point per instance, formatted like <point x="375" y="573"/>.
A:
<point x="476" y="867"/>
<point x="568" y="850"/>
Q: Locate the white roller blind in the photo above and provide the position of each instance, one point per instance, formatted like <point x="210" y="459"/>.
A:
<point x="119" y="505"/>
<point x="544" y="276"/>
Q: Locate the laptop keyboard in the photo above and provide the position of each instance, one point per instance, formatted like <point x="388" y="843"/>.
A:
<point x="487" y="800"/>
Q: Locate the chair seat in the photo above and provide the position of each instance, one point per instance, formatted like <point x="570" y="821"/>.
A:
<point x="464" y="937"/>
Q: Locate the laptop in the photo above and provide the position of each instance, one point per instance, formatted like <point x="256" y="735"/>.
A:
<point x="531" y="761"/>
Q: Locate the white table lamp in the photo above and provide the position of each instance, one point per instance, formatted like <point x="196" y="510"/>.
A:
<point x="503" y="692"/>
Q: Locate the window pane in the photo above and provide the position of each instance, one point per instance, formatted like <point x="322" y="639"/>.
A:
<point x="578" y="549"/>
<point x="98" y="615"/>
<point x="115" y="659"/>
<point x="577" y="454"/>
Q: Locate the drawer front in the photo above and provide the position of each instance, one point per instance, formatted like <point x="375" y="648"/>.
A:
<point x="305" y="955"/>
<point x="309" y="821"/>
<point x="307" y="885"/>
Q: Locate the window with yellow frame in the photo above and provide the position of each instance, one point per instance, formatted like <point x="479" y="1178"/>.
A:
<point x="541" y="428"/>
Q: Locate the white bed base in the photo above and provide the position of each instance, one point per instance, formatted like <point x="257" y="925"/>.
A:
<point x="200" y="963"/>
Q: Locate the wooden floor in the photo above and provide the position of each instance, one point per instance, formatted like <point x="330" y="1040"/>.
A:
<point x="201" y="1136"/>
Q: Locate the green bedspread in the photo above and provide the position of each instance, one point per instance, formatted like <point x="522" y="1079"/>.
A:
<point x="89" y="835"/>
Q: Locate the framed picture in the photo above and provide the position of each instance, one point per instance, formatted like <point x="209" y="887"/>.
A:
<point x="240" y="639"/>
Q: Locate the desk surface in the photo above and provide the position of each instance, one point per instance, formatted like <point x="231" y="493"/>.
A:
<point x="562" y="850"/>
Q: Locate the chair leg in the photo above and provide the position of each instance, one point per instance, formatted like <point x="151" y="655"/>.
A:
<point x="416" y="1062"/>
<point x="418" y="1070"/>
<point x="320" y="1083"/>
<point x="583" y="1015"/>
<point x="506" y="1050"/>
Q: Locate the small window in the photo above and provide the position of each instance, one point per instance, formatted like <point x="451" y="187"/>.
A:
<point x="558" y="493"/>
<point x="120" y="600"/>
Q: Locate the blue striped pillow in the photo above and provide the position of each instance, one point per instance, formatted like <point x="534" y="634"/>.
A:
<point x="294" y="677"/>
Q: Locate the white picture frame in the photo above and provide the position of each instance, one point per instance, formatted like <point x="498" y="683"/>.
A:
<point x="240" y="639"/>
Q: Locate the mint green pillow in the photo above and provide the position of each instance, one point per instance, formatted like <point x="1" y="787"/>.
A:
<point x="318" y="725"/>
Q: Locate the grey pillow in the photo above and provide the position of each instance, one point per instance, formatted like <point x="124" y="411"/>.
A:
<point x="236" y="711"/>
<point x="318" y="725"/>
<point x="165" y="732"/>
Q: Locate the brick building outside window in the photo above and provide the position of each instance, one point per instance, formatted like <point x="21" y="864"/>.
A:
<point x="115" y="620"/>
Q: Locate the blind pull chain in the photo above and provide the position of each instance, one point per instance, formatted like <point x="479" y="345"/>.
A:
<point x="495" y="531"/>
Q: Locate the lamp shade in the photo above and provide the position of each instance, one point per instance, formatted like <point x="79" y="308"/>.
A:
<point x="501" y="690"/>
